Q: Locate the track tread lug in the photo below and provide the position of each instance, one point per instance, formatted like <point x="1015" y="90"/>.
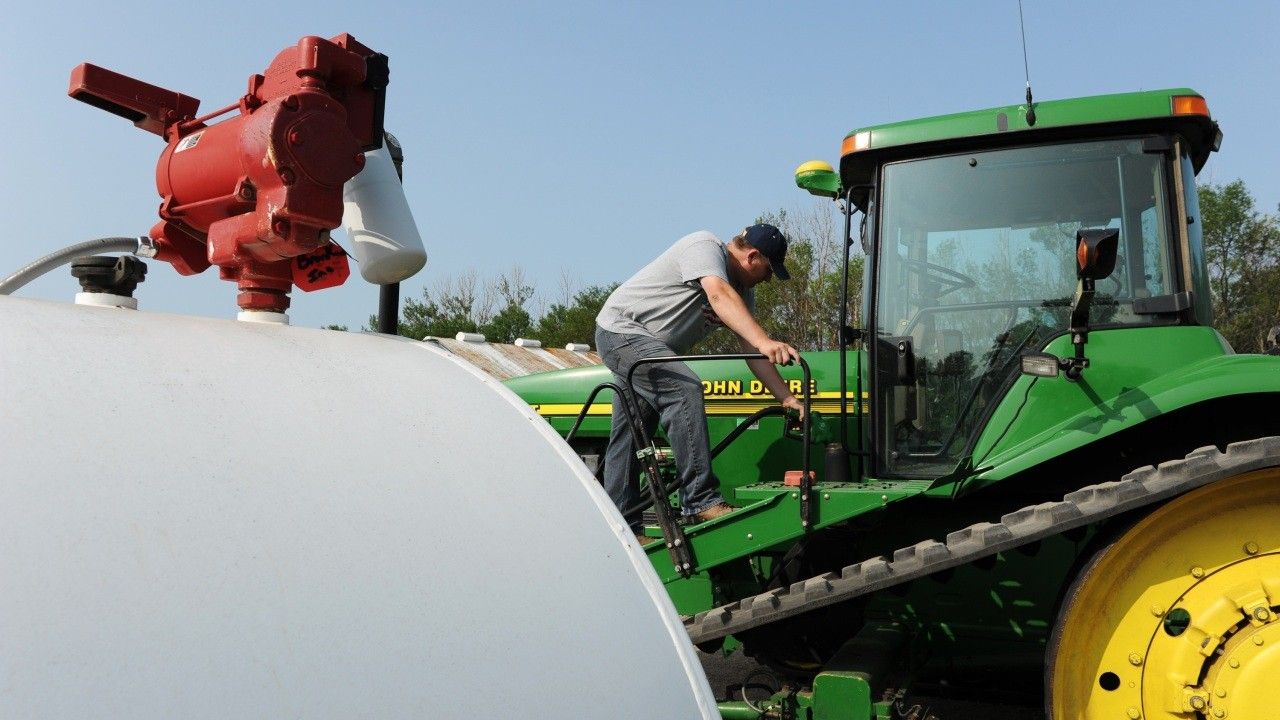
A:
<point x="1106" y="494"/>
<point x="922" y="553"/>
<point x="1042" y="515"/>
<point x="819" y="586"/>
<point x="875" y="568"/>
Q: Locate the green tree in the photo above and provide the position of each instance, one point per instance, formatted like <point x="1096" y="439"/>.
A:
<point x="573" y="321"/>
<point x="464" y="304"/>
<point x="448" y="309"/>
<point x="1242" y="249"/>
<point x="512" y="321"/>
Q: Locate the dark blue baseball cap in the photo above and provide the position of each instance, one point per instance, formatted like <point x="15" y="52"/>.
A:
<point x="772" y="244"/>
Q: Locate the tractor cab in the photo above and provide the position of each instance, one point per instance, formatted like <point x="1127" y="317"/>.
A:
<point x="973" y="225"/>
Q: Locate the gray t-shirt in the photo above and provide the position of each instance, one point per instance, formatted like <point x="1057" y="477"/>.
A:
<point x="665" y="300"/>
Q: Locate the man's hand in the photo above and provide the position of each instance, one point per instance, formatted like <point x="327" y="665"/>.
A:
<point x="793" y="403"/>
<point x="778" y="353"/>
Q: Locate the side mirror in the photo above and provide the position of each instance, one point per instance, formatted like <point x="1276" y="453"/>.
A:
<point x="1095" y="260"/>
<point x="818" y="178"/>
<point x="1096" y="252"/>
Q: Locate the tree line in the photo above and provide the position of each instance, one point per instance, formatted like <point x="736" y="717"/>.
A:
<point x="1242" y="248"/>
<point x="1241" y="243"/>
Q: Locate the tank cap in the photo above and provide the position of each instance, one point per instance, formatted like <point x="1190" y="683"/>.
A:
<point x="109" y="274"/>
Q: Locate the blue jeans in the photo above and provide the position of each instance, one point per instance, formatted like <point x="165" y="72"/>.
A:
<point x="667" y="391"/>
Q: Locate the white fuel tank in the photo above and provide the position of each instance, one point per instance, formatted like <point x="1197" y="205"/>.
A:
<point x="208" y="519"/>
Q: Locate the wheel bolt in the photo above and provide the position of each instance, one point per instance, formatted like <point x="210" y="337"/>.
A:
<point x="1262" y="614"/>
<point x="1134" y="713"/>
<point x="1233" y="663"/>
<point x="1197" y="572"/>
<point x="1251" y="548"/>
<point x="1135" y="659"/>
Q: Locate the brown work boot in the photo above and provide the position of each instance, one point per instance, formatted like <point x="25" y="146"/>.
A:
<point x="714" y="512"/>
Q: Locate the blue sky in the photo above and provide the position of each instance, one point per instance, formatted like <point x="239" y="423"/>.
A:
<point x="578" y="140"/>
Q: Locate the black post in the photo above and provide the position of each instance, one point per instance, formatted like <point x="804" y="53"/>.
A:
<point x="844" y="325"/>
<point x="389" y="295"/>
<point x="389" y="308"/>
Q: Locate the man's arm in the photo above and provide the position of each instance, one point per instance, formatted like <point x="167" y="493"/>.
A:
<point x="733" y="312"/>
<point x="768" y="374"/>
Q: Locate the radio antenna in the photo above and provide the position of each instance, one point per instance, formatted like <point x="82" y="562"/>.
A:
<point x="1026" y="69"/>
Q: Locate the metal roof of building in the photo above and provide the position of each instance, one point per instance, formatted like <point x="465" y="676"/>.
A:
<point x="524" y="357"/>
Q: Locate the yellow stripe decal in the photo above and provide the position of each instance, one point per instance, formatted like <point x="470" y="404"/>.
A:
<point x="823" y="402"/>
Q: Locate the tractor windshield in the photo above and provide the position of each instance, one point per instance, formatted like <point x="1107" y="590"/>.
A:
<point x="976" y="264"/>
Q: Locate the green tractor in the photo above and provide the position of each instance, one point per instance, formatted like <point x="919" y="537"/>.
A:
<point x="1036" y="466"/>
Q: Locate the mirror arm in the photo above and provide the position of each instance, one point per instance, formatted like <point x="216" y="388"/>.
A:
<point x="1073" y="367"/>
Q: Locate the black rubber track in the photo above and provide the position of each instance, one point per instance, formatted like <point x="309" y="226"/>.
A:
<point x="1144" y="486"/>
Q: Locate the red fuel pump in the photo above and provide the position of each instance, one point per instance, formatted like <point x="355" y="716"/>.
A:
<point x="257" y="194"/>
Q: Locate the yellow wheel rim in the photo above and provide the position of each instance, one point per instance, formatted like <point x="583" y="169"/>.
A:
<point x="1178" y="618"/>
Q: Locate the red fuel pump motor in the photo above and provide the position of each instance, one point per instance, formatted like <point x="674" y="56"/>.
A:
<point x="254" y="192"/>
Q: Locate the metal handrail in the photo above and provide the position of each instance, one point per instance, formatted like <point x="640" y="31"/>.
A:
<point x="677" y="543"/>
<point x="591" y="399"/>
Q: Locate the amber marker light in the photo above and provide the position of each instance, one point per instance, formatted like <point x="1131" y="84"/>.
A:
<point x="1190" y="105"/>
<point x="856" y="142"/>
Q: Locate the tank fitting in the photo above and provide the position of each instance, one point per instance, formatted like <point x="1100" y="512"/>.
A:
<point x="108" y="281"/>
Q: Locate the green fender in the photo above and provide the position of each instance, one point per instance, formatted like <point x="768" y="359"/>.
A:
<point x="1134" y="376"/>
